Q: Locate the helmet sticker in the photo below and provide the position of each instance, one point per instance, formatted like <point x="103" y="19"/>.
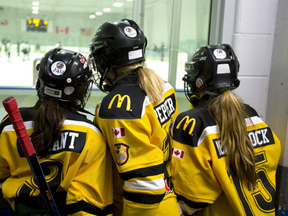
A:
<point x="135" y="54"/>
<point x="199" y="82"/>
<point x="219" y="53"/>
<point x="69" y="90"/>
<point x="52" y="92"/>
<point x="68" y="80"/>
<point x="130" y="32"/>
<point x="223" y="69"/>
<point x="58" y="68"/>
<point x="83" y="60"/>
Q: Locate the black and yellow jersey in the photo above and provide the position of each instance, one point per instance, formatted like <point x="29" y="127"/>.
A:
<point x="137" y="132"/>
<point x="202" y="181"/>
<point x="77" y="165"/>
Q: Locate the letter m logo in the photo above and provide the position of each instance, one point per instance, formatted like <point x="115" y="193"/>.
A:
<point x="120" y="100"/>
<point x="186" y="123"/>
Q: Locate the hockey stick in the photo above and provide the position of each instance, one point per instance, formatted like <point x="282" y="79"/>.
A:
<point x="15" y="117"/>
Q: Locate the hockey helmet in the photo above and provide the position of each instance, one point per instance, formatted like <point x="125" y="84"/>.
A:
<point x="210" y="69"/>
<point x="64" y="75"/>
<point x="115" y="44"/>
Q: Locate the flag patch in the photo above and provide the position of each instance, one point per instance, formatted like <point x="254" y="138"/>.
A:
<point x="178" y="153"/>
<point x="118" y="132"/>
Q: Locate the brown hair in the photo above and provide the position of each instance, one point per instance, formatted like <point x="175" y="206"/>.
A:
<point x="229" y="113"/>
<point x="149" y="81"/>
<point x="47" y="125"/>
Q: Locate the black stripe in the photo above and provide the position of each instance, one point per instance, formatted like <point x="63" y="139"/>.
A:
<point x="240" y="193"/>
<point x="195" y="205"/>
<point x="86" y="207"/>
<point x="143" y="172"/>
<point x="143" y="198"/>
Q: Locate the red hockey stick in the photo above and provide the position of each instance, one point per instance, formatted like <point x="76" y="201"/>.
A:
<point x="15" y="117"/>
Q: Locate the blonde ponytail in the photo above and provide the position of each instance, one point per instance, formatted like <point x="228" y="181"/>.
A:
<point x="149" y="81"/>
<point x="229" y="113"/>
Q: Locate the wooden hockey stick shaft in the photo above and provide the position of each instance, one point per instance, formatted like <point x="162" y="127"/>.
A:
<point x="15" y="117"/>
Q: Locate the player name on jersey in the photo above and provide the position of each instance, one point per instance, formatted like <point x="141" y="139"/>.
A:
<point x="69" y="141"/>
<point x="258" y="138"/>
<point x="165" y="109"/>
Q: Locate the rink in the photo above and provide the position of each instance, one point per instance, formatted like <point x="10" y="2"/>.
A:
<point x="21" y="74"/>
<point x="18" y="79"/>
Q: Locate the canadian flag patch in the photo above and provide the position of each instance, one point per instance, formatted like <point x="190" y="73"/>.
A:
<point x="178" y="153"/>
<point x="118" y="132"/>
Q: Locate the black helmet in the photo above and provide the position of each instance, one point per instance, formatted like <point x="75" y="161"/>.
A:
<point x="64" y="75"/>
<point x="210" y="69"/>
<point x="116" y="44"/>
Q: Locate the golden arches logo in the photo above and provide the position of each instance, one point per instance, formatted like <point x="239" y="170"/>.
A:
<point x="120" y="101"/>
<point x="187" y="122"/>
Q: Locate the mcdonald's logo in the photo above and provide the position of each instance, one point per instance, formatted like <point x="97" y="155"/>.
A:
<point x="120" y="101"/>
<point x="187" y="122"/>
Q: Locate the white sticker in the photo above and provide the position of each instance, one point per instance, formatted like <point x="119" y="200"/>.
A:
<point x="135" y="54"/>
<point x="69" y="90"/>
<point x="52" y="92"/>
<point x="58" y="68"/>
<point x="219" y="53"/>
<point x="130" y="32"/>
<point x="223" y="69"/>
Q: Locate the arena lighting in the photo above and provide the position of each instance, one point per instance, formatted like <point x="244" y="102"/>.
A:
<point x="106" y="9"/>
<point x="35" y="3"/>
<point x="35" y="12"/>
<point x="92" y="16"/>
<point x="98" y="13"/>
<point x="35" y="8"/>
<point x="117" y="4"/>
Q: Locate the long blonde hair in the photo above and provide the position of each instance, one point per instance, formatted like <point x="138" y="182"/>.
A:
<point x="149" y="81"/>
<point x="229" y="113"/>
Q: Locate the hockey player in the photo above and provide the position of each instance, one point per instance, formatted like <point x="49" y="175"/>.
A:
<point x="70" y="148"/>
<point x="224" y="157"/>
<point x="135" y="118"/>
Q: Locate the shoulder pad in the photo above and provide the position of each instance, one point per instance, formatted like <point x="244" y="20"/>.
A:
<point x="123" y="103"/>
<point x="189" y="126"/>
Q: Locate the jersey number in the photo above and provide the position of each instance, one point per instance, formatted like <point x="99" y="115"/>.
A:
<point x="52" y="171"/>
<point x="264" y="197"/>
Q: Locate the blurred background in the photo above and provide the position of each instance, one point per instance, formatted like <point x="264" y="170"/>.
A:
<point x="42" y="25"/>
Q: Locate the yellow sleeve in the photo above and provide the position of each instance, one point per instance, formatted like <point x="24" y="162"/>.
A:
<point x="139" y="164"/>
<point x="90" y="191"/>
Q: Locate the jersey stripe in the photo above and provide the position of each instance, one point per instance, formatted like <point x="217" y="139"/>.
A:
<point x="143" y="172"/>
<point x="85" y="124"/>
<point x="147" y="101"/>
<point x="195" y="205"/>
<point x="28" y="125"/>
<point x="143" y="198"/>
<point x="214" y="130"/>
<point x="84" y="206"/>
<point x="156" y="184"/>
<point x="185" y="208"/>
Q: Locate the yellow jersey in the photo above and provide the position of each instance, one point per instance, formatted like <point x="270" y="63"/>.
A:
<point x="77" y="165"/>
<point x="202" y="181"/>
<point x="137" y="132"/>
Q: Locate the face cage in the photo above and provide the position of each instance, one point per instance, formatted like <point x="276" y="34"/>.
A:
<point x="187" y="89"/>
<point x="88" y="85"/>
<point x="97" y="76"/>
